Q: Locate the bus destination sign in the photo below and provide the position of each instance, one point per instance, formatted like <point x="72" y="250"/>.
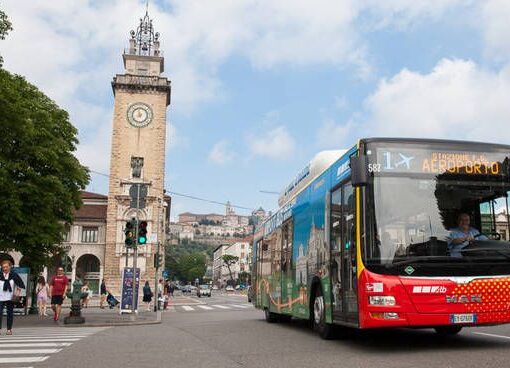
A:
<point x="423" y="161"/>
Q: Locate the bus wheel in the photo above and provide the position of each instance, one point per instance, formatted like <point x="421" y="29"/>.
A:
<point x="270" y="316"/>
<point x="319" y="317"/>
<point x="448" y="330"/>
<point x="285" y="318"/>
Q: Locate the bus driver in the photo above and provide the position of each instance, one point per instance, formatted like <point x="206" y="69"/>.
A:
<point x="462" y="235"/>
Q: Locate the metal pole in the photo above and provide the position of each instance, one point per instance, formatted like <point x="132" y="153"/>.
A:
<point x="156" y="304"/>
<point x="135" y="252"/>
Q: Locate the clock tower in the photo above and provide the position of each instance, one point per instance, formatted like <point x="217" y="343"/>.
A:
<point x="138" y="155"/>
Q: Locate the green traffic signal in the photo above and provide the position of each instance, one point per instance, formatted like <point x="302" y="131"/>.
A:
<point x="142" y="232"/>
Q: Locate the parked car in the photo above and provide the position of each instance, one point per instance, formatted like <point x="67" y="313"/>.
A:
<point x="215" y="287"/>
<point x="229" y="288"/>
<point x="203" y="290"/>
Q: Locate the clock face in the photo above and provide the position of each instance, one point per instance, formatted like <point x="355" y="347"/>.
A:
<point x="139" y="115"/>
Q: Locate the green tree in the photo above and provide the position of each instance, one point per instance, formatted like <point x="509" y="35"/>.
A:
<point x="230" y="260"/>
<point x="5" y="27"/>
<point x="40" y="178"/>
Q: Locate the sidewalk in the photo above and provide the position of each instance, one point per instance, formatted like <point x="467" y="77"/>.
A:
<point x="94" y="317"/>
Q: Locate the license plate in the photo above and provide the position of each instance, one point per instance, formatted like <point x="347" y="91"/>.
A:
<point x="463" y="318"/>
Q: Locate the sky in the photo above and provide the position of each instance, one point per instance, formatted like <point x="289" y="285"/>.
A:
<point x="260" y="86"/>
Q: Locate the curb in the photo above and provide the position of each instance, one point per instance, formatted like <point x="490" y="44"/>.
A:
<point x="112" y="324"/>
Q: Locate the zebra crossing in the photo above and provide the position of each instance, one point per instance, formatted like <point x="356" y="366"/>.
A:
<point x="208" y="307"/>
<point x="28" y="346"/>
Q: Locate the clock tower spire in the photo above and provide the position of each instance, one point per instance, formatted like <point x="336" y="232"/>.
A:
<point x="142" y="95"/>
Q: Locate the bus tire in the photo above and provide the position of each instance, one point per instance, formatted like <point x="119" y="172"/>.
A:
<point x="285" y="318"/>
<point x="448" y="330"/>
<point x="318" y="316"/>
<point x="270" y="316"/>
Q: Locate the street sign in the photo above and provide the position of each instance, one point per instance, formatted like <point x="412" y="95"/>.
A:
<point x="166" y="274"/>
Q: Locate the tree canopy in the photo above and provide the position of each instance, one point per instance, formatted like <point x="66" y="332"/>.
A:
<point x="5" y="27"/>
<point x="230" y="260"/>
<point x="40" y="178"/>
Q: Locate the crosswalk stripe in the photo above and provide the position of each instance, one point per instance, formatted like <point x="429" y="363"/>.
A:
<point x="205" y="307"/>
<point x="15" y="360"/>
<point x="38" y="340"/>
<point x="28" y="351"/>
<point x="8" y="344"/>
<point x="43" y="337"/>
<point x="240" y="305"/>
<point x="221" y="306"/>
<point x="187" y="308"/>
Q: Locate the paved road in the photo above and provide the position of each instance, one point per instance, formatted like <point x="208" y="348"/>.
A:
<point x="33" y="345"/>
<point x="241" y="338"/>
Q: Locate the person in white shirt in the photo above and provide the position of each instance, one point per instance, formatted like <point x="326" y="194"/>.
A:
<point x="10" y="287"/>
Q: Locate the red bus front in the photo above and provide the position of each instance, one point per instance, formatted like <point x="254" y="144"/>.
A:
<point x="434" y="244"/>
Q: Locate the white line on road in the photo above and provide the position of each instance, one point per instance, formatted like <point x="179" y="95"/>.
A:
<point x="29" y="351"/>
<point x="43" y="337"/>
<point x="187" y="308"/>
<point x="205" y="307"/>
<point x="23" y="360"/>
<point x="9" y="344"/>
<point x="240" y="305"/>
<point x="491" y="335"/>
<point x="37" y="340"/>
<point x="221" y="306"/>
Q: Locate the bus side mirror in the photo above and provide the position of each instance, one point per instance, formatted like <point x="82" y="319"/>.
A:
<point x="359" y="171"/>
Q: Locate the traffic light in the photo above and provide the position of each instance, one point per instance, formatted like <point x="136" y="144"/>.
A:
<point x="129" y="231"/>
<point x="158" y="260"/>
<point x="142" y="232"/>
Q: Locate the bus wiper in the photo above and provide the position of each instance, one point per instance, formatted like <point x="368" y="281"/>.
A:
<point x="422" y="259"/>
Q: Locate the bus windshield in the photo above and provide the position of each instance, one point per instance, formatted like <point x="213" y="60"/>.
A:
<point x="427" y="224"/>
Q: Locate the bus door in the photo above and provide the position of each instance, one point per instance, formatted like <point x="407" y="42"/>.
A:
<point x="343" y="253"/>
<point x="286" y="267"/>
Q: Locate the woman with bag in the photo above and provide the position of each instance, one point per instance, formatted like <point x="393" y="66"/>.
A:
<point x="85" y="289"/>
<point x="10" y="292"/>
<point x="147" y="295"/>
<point x="42" y="292"/>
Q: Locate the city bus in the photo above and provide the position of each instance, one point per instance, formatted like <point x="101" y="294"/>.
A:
<point x="369" y="238"/>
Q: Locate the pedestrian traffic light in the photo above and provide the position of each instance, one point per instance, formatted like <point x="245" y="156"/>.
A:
<point x="142" y="232"/>
<point x="158" y="260"/>
<point x="130" y="234"/>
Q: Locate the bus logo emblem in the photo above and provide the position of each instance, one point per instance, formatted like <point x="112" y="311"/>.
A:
<point x="409" y="270"/>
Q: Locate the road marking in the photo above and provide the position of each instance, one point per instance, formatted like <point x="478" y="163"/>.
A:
<point x="491" y="335"/>
<point x="205" y="307"/>
<point x="240" y="305"/>
<point x="29" y="351"/>
<point x="37" y="340"/>
<point x="8" y="344"/>
<point x="187" y="308"/>
<point x="43" y="337"/>
<point x="221" y="306"/>
<point x="23" y="360"/>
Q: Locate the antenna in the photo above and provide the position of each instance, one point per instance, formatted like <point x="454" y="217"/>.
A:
<point x="147" y="7"/>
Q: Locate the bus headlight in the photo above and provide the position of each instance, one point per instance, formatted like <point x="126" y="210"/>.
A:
<point x="381" y="300"/>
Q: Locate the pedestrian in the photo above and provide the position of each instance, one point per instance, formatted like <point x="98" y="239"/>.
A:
<point x="58" y="290"/>
<point x="85" y="289"/>
<point x="171" y="289"/>
<point x="160" y="293"/>
<point x="42" y="293"/>
<point x="147" y="295"/>
<point x="10" y="290"/>
<point x="104" y="294"/>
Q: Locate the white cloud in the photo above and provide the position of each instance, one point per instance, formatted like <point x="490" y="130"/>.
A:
<point x="220" y="153"/>
<point x="457" y="100"/>
<point x="333" y="135"/>
<point x="276" y="144"/>
<point x="496" y="28"/>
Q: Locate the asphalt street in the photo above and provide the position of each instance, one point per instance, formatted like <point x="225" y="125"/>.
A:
<point x="240" y="337"/>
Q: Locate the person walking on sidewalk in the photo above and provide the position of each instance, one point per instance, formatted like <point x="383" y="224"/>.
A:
<point x="85" y="289"/>
<point x="147" y="295"/>
<point x="104" y="294"/>
<point x="58" y="290"/>
<point x="10" y="289"/>
<point x="42" y="293"/>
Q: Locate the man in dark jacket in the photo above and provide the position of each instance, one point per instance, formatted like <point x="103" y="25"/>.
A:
<point x="10" y="288"/>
